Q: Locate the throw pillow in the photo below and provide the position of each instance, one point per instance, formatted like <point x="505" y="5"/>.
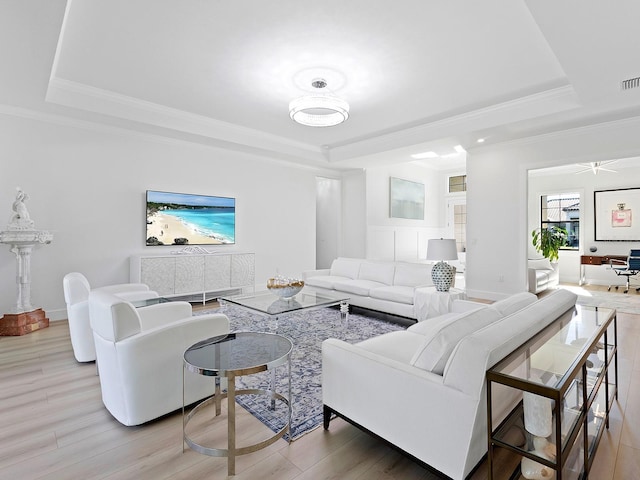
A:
<point x="540" y="264"/>
<point x="436" y="351"/>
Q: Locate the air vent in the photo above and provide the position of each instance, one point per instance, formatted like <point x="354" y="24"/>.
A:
<point x="630" y="83"/>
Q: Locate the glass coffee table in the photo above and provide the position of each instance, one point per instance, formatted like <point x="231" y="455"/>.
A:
<point x="275" y="307"/>
<point x="230" y="356"/>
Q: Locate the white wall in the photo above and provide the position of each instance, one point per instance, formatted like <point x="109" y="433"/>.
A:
<point x="585" y="184"/>
<point x="354" y="214"/>
<point x="497" y="200"/>
<point x="87" y="186"/>
<point x="403" y="239"/>
<point x="328" y="220"/>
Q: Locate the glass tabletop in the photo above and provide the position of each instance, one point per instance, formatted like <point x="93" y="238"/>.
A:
<point x="549" y="356"/>
<point x="241" y="353"/>
<point x="149" y="301"/>
<point x="270" y="304"/>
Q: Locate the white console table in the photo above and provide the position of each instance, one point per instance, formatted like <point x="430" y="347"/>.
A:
<point x="193" y="274"/>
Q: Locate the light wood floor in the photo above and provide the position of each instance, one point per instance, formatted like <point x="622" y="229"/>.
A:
<point x="53" y="426"/>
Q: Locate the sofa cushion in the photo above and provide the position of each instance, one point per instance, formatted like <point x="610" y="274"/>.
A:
<point x="345" y="267"/>
<point x="394" y="293"/>
<point x="433" y="325"/>
<point x="539" y="264"/>
<point x="513" y="303"/>
<point x="377" y="272"/>
<point x="413" y="275"/>
<point x="357" y="287"/>
<point x="436" y="349"/>
<point x="398" y="345"/>
<point x="324" y="281"/>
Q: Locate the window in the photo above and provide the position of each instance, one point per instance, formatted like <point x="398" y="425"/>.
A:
<point x="562" y="210"/>
<point x="457" y="184"/>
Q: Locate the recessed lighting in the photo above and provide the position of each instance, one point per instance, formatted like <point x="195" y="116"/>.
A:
<point x="459" y="149"/>
<point x="420" y="156"/>
<point x="480" y="140"/>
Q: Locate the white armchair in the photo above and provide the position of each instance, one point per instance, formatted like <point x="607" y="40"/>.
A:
<point x="140" y="355"/>
<point x="76" y="295"/>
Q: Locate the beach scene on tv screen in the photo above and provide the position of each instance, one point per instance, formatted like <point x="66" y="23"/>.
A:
<point x="187" y="219"/>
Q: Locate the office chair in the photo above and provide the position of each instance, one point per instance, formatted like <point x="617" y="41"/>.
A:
<point x="628" y="269"/>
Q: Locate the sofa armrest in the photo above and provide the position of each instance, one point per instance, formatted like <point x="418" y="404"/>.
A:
<point x="405" y="405"/>
<point x="315" y="273"/>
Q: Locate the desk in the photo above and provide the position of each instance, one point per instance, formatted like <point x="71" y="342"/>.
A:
<point x="596" y="260"/>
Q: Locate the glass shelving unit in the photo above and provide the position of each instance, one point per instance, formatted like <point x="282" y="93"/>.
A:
<point x="567" y="375"/>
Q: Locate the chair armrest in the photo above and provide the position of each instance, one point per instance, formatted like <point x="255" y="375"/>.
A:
<point x="163" y="313"/>
<point x="315" y="273"/>
<point x="132" y="296"/>
<point x="616" y="262"/>
<point x="123" y="287"/>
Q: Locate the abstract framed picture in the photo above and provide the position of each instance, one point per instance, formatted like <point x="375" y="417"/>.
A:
<point x="617" y="215"/>
<point x="406" y="199"/>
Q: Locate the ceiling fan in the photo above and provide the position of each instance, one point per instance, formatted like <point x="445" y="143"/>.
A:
<point x="596" y="167"/>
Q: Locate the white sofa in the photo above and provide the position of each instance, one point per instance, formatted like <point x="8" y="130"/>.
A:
<point x="398" y="288"/>
<point x="542" y="274"/>
<point x="423" y="389"/>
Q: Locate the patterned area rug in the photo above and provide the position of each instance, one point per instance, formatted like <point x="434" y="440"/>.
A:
<point x="307" y="331"/>
<point x="629" y="302"/>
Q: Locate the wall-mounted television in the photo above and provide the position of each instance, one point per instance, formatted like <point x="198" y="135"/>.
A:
<point x="188" y="219"/>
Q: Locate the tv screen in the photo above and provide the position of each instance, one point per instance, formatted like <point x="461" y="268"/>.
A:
<point x="187" y="219"/>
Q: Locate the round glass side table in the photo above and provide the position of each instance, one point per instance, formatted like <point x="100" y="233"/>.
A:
<point x="230" y="356"/>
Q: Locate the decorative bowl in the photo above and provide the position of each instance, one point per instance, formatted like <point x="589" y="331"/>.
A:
<point x="285" y="288"/>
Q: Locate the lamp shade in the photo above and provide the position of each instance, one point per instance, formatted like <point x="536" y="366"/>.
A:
<point x="442" y="249"/>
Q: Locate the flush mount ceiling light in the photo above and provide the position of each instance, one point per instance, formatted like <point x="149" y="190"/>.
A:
<point x="322" y="109"/>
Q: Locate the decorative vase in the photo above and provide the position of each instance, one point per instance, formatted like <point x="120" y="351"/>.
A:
<point x="285" y="288"/>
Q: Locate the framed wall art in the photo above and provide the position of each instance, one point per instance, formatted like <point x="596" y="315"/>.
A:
<point x="406" y="199"/>
<point x="617" y="215"/>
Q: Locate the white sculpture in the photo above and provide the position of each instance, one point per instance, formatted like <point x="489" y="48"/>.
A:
<point x="20" y="220"/>
<point x="21" y="236"/>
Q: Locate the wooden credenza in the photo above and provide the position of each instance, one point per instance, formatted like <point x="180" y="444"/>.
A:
<point x="191" y="274"/>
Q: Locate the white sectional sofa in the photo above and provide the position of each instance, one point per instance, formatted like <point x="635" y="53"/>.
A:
<point x="542" y="274"/>
<point x="423" y="389"/>
<point x="390" y="287"/>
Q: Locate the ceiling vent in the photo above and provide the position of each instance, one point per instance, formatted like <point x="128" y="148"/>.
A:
<point x="630" y="83"/>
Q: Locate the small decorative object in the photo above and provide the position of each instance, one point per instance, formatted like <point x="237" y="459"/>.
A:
<point x="593" y="249"/>
<point x="285" y="288"/>
<point x="442" y="273"/>
<point x="538" y="419"/>
<point x="533" y="470"/>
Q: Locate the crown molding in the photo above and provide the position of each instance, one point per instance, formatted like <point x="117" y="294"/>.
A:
<point x="543" y="103"/>
<point x="598" y="127"/>
<point x="93" y="126"/>
<point x="77" y="95"/>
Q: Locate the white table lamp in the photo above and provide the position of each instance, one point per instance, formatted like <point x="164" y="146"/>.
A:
<point x="442" y="273"/>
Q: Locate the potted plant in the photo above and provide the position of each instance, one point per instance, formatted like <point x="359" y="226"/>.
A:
<point x="548" y="241"/>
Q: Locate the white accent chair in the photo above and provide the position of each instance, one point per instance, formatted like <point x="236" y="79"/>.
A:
<point x="140" y="355"/>
<point x="76" y="295"/>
